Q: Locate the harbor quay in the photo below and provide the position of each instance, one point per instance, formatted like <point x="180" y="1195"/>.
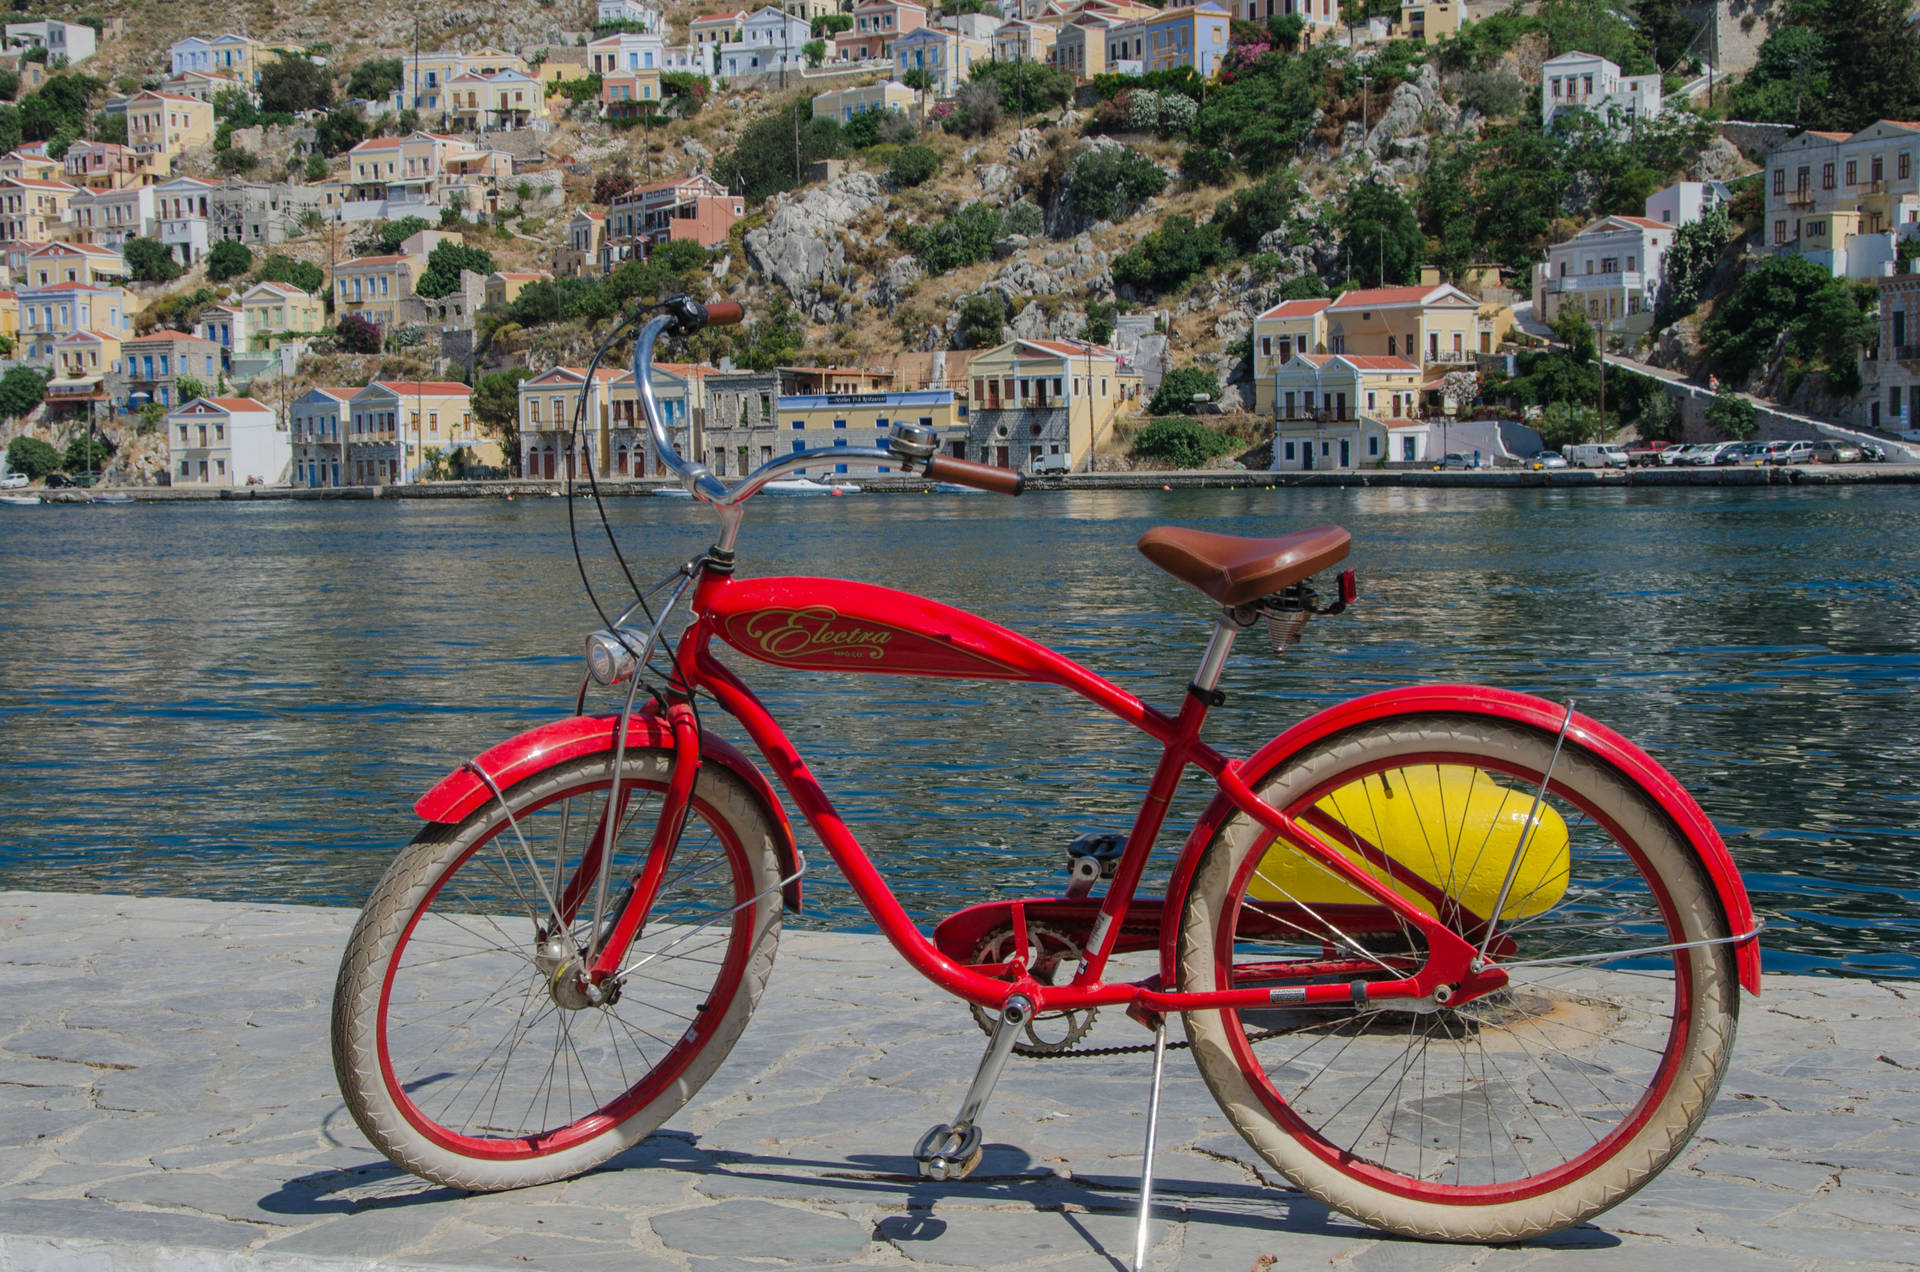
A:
<point x="170" y="1104"/>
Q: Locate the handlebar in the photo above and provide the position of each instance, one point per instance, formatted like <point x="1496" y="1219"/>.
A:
<point x="684" y="316"/>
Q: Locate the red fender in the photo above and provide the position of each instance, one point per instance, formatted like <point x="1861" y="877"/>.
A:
<point x="1498" y="704"/>
<point x="518" y="758"/>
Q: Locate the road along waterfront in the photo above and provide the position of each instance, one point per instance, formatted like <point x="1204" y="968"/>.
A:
<point x="171" y="1106"/>
<point x="243" y="701"/>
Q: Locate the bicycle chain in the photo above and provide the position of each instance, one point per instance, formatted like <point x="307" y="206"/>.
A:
<point x="1085" y="1053"/>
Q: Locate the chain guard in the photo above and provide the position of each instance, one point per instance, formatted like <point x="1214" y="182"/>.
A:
<point x="1054" y="952"/>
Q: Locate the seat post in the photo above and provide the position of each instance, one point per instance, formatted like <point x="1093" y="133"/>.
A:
<point x="1214" y="660"/>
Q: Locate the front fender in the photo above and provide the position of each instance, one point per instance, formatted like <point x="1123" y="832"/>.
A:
<point x="460" y="792"/>
<point x="1497" y="704"/>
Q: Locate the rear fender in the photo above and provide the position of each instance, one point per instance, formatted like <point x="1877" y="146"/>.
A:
<point x="462" y="791"/>
<point x="1496" y="704"/>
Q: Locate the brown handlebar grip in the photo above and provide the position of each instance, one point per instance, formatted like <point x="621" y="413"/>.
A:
<point x="724" y="313"/>
<point x="964" y="472"/>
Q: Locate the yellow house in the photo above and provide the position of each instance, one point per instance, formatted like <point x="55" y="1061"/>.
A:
<point x="1436" y="328"/>
<point x="1043" y="398"/>
<point x="1080" y="50"/>
<point x="163" y="126"/>
<point x="81" y="362"/>
<point x="505" y="286"/>
<point x="392" y="424"/>
<point x="426" y="78"/>
<point x="833" y="420"/>
<point x="845" y="103"/>
<point x="1019" y="40"/>
<point x="34" y="164"/>
<point x="240" y="57"/>
<point x="276" y="312"/>
<point x="10" y="314"/>
<point x="50" y="263"/>
<point x="31" y="208"/>
<point x="374" y="286"/>
<point x="1428" y="20"/>
<point x="1342" y="411"/>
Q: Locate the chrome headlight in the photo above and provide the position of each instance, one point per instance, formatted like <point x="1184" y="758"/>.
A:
<point x="613" y="656"/>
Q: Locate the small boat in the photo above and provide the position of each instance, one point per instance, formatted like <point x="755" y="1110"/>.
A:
<point x="21" y="501"/>
<point x="950" y="488"/>
<point x="807" y="486"/>
<point x="672" y="492"/>
<point x="113" y="498"/>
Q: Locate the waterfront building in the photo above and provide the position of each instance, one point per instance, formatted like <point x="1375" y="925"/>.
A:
<point x="226" y="442"/>
<point x="81" y="362"/>
<point x="163" y="126"/>
<point x="550" y="413"/>
<point x="845" y="103"/>
<point x="316" y="428"/>
<point x="1896" y="406"/>
<point x="392" y="424"/>
<point x="1845" y="200"/>
<point x="1612" y="271"/>
<point x="154" y="364"/>
<point x="275" y="313"/>
<point x="1034" y="398"/>
<point x="739" y="416"/>
<point x="1435" y="326"/>
<point x="31" y="209"/>
<point x="1589" y="82"/>
<point x="835" y="420"/>
<point x="1340" y="411"/>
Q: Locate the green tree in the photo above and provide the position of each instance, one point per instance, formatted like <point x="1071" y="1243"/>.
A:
<point x="148" y="261"/>
<point x="983" y="320"/>
<point x="110" y="128"/>
<point x="340" y="130"/>
<point x="1382" y="235"/>
<point x="376" y="79"/>
<point x="1732" y="415"/>
<point x="1170" y="255"/>
<point x="234" y="160"/>
<point x="88" y="451"/>
<point x="294" y="84"/>
<point x="1109" y="183"/>
<point x="1265" y="115"/>
<point x="316" y="168"/>
<point x="815" y="51"/>
<point x="1101" y="321"/>
<point x="9" y="84"/>
<point x="1258" y="210"/>
<point x="187" y="388"/>
<point x="279" y="268"/>
<point x="1778" y="295"/>
<point x="878" y="127"/>
<point x="963" y="238"/>
<point x="1595" y="28"/>
<point x="912" y="166"/>
<point x="776" y="339"/>
<point x="831" y="24"/>
<point x="445" y="264"/>
<point x="1564" y="424"/>
<point x="28" y="456"/>
<point x="496" y="405"/>
<point x="1670" y="36"/>
<point x="1024" y="87"/>
<point x="21" y="389"/>
<point x="394" y="233"/>
<point x="228" y="259"/>
<point x="775" y="152"/>
<point x="1660" y="417"/>
<point x="1182" y="389"/>
<point x="1181" y="441"/>
<point x="918" y="78"/>
<point x="1690" y="262"/>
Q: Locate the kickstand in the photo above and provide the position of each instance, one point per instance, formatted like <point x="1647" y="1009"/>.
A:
<point x="1146" y="1161"/>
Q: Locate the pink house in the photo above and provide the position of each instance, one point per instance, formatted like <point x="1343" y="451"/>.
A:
<point x="876" y="25"/>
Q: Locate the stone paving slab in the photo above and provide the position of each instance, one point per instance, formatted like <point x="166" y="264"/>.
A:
<point x="167" y="1102"/>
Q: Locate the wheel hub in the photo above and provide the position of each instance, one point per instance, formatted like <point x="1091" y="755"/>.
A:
<point x="567" y="981"/>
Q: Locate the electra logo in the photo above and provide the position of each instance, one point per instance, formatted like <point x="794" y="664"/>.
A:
<point x="792" y="634"/>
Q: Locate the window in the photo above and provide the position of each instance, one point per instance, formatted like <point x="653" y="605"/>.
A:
<point x="1289" y="450"/>
<point x="1373" y="447"/>
<point x="1826" y="176"/>
<point x="1779" y="231"/>
<point x="799" y="423"/>
<point x="1905" y="165"/>
<point x="1780" y="180"/>
<point x="840" y="424"/>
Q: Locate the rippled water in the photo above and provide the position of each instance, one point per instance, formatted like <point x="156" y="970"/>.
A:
<point x="242" y="700"/>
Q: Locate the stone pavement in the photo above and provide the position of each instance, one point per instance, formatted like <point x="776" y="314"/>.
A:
<point x="169" y="1104"/>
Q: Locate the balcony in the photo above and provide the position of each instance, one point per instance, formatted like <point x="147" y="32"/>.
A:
<point x="1317" y="415"/>
<point x="1630" y="280"/>
<point x="1799" y="197"/>
<point x="1037" y="420"/>
<point x="1906" y="353"/>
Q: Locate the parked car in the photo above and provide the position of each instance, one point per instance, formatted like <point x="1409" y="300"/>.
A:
<point x="1828" y="451"/>
<point x="13" y="481"/>
<point x="1055" y="463"/>
<point x="58" y="481"/>
<point x="1742" y="453"/>
<point x="1597" y="455"/>
<point x="1678" y="454"/>
<point x="1548" y="459"/>
<point x="1789" y="453"/>
<point x="1456" y="460"/>
<point x="1645" y="454"/>
<point x="1708" y="453"/>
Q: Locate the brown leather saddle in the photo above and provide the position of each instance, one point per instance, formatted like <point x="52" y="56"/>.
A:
<point x="1236" y="571"/>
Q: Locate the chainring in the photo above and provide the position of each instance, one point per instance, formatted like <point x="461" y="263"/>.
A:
<point x="1055" y="956"/>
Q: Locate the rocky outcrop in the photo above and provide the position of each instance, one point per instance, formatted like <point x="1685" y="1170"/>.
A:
<point x="804" y="241"/>
<point x="1416" y="107"/>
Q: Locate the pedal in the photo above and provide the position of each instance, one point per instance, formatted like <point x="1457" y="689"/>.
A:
<point x="944" y="1153"/>
<point x="1091" y="858"/>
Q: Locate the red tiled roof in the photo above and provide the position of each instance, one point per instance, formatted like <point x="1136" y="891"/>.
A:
<point x="1381" y="297"/>
<point x="340" y="392"/>
<point x="238" y="404"/>
<point x="424" y="388"/>
<point x="1297" y="308"/>
<point x="1367" y="362"/>
<point x="168" y="334"/>
<point x="1071" y="350"/>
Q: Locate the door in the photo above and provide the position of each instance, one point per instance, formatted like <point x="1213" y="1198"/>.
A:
<point x="1000" y="457"/>
<point x="1346" y="453"/>
<point x="1306" y="456"/>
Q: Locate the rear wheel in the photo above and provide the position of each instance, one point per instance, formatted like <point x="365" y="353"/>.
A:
<point x="462" y="1041"/>
<point x="1509" y="1116"/>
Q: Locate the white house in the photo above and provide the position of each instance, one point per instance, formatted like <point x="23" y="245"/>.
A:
<point x="1612" y="271"/>
<point x="181" y="207"/>
<point x="65" y="42"/>
<point x="1587" y="81"/>
<point x="226" y="441"/>
<point x="626" y="52"/>
<point x="628" y="11"/>
<point x="770" y="40"/>
<point x="1685" y="202"/>
<point x="195" y="53"/>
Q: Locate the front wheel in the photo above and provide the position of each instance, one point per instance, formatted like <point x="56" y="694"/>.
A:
<point x="463" y="1044"/>
<point x="1508" y="1116"/>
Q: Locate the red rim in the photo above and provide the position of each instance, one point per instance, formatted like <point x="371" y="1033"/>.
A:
<point x="1393" y="1182"/>
<point x="671" y="1065"/>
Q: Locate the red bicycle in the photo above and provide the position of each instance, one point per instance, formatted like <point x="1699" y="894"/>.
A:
<point x="1459" y="962"/>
